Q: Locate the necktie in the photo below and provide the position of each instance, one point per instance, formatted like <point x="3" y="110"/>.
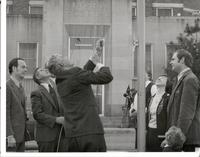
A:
<point x="54" y="96"/>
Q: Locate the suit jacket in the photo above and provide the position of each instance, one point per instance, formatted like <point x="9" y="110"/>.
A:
<point x="15" y="111"/>
<point x="183" y="110"/>
<point x="161" y="114"/>
<point x="45" y="112"/>
<point x="80" y="107"/>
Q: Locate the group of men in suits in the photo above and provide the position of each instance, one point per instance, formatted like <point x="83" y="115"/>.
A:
<point x="66" y="113"/>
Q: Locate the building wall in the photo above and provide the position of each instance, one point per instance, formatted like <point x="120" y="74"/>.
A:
<point x="159" y="32"/>
<point x="25" y="29"/>
<point x="87" y="11"/>
<point x="121" y="52"/>
<point x="53" y="29"/>
<point x="114" y="16"/>
<point x="20" y="7"/>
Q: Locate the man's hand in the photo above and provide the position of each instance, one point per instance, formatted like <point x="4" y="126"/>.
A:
<point x="95" y="58"/>
<point x="99" y="47"/>
<point x="11" y="141"/>
<point x="60" y="120"/>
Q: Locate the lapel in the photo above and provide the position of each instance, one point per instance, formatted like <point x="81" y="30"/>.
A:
<point x="47" y="95"/>
<point x="175" y="88"/>
<point x="15" y="90"/>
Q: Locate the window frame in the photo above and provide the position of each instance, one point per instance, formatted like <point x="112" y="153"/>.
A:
<point x="162" y="8"/>
<point x="134" y="5"/>
<point x="28" y="76"/>
<point x="35" y="4"/>
<point x="8" y="5"/>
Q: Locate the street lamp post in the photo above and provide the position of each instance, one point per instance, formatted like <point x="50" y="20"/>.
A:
<point x="141" y="74"/>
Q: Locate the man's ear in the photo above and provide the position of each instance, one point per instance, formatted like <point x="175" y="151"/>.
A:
<point x="182" y="60"/>
<point x="14" y="68"/>
<point x="38" y="76"/>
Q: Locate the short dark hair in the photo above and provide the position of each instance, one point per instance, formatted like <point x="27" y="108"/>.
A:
<point x="149" y="74"/>
<point x="35" y="79"/>
<point x="13" y="63"/>
<point x="188" y="57"/>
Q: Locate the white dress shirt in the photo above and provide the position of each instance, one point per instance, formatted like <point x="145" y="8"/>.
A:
<point x="17" y="83"/>
<point x="45" y="85"/>
<point x="153" y="108"/>
<point x="153" y="91"/>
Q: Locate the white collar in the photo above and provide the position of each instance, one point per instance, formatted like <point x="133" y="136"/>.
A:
<point x="17" y="83"/>
<point x="147" y="83"/>
<point x="45" y="85"/>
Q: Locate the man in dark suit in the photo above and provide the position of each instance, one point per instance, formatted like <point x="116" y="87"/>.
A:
<point x="47" y="112"/>
<point x="15" y="106"/>
<point x="83" y="127"/>
<point x="183" y="109"/>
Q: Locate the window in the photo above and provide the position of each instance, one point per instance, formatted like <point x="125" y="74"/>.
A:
<point x="36" y="7"/>
<point x="29" y="52"/>
<point x="134" y="12"/>
<point x="148" y="62"/>
<point x="164" y="11"/>
<point x="36" y="10"/>
<point x="167" y="9"/>
<point x="134" y="9"/>
<point x="9" y="7"/>
<point x="196" y="13"/>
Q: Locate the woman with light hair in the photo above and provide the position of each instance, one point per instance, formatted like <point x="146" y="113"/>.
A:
<point x="157" y="115"/>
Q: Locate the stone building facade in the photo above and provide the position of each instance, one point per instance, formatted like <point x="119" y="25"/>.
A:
<point x="37" y="29"/>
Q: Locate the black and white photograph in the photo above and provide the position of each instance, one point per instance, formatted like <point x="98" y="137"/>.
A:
<point x="100" y="76"/>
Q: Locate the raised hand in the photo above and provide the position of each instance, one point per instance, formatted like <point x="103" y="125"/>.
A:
<point x="99" y="47"/>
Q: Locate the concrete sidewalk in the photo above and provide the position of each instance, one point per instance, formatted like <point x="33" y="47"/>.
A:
<point x="117" y="139"/>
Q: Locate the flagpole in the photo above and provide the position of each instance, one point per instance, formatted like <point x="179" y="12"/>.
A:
<point x="141" y="135"/>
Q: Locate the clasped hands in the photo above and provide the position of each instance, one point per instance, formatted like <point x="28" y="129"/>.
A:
<point x="95" y="58"/>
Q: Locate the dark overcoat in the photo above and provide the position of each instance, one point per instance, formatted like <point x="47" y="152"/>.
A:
<point x="15" y="111"/>
<point x="183" y="110"/>
<point x="80" y="107"/>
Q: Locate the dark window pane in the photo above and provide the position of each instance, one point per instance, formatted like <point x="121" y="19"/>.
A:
<point x="164" y="12"/>
<point x="36" y="10"/>
<point x="28" y="51"/>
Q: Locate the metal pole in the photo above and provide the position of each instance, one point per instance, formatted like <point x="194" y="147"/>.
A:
<point x="141" y="135"/>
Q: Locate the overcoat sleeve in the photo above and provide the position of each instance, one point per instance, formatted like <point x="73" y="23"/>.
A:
<point x="188" y="104"/>
<point x="89" y="66"/>
<point x="103" y="76"/>
<point x="9" y="130"/>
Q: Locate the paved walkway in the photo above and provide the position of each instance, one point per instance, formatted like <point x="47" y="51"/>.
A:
<point x="117" y="139"/>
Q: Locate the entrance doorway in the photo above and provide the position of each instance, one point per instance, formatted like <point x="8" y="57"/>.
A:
<point x="80" y="49"/>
